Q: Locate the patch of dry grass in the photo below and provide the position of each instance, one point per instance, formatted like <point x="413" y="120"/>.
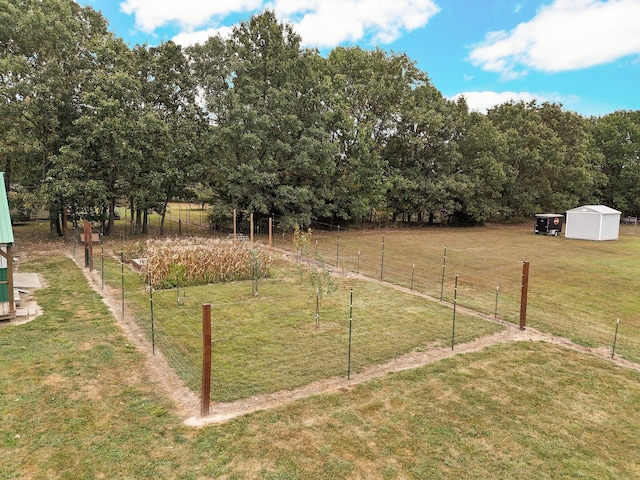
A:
<point x="194" y="261"/>
<point x="577" y="288"/>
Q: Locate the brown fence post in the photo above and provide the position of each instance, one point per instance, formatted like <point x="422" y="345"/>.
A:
<point x="523" y="297"/>
<point x="251" y="227"/>
<point x="88" y="246"/>
<point x="64" y="224"/>
<point x="270" y="232"/>
<point x="235" y="229"/>
<point x="206" y="359"/>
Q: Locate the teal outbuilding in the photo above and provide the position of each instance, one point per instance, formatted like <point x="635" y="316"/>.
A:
<point x="7" y="303"/>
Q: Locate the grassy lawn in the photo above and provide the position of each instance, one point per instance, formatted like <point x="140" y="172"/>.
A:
<point x="577" y="289"/>
<point x="271" y="342"/>
<point x="76" y="403"/>
<point x="76" y="400"/>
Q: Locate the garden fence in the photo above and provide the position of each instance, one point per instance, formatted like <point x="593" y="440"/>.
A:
<point x="273" y="344"/>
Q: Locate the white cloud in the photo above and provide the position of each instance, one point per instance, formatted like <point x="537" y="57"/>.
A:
<point x="327" y="23"/>
<point x="320" y="23"/>
<point x="483" y="101"/>
<point x="565" y="35"/>
<point x="152" y="14"/>
<point x="191" y="38"/>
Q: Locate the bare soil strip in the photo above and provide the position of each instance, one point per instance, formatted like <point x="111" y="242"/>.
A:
<point x="187" y="403"/>
<point x="166" y="379"/>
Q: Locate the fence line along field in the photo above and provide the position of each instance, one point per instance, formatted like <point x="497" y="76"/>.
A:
<point x="274" y="340"/>
<point x="577" y="289"/>
<point x="271" y="342"/>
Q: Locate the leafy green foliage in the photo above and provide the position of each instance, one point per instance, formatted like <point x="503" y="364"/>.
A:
<point x="617" y="136"/>
<point x="257" y="123"/>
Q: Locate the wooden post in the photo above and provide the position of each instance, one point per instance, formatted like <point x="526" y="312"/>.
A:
<point x="206" y="359"/>
<point x="64" y="224"/>
<point x="88" y="246"/>
<point x="251" y="227"/>
<point x="523" y="297"/>
<point x="235" y="230"/>
<point x="270" y="232"/>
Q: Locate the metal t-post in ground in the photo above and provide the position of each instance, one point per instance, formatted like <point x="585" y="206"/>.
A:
<point x="455" y="302"/>
<point x="350" y="334"/>
<point x="205" y="396"/>
<point x="523" y="296"/>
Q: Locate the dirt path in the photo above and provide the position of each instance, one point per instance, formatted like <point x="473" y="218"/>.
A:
<point x="187" y="402"/>
<point x="222" y="412"/>
<point x="167" y="380"/>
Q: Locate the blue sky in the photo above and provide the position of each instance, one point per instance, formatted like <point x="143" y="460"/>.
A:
<point x="584" y="54"/>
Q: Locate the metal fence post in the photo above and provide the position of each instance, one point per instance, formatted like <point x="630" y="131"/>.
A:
<point x="122" y="277"/>
<point x="350" y="334"/>
<point x="205" y="397"/>
<point x="444" y="263"/>
<point x="153" y="329"/>
<point x="382" y="262"/>
<point x="615" y="338"/>
<point x="523" y="297"/>
<point x="455" y="301"/>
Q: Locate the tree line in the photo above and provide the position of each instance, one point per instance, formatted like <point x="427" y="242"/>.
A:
<point x="254" y="122"/>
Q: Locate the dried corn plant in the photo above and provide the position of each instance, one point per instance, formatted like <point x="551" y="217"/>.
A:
<point x="204" y="261"/>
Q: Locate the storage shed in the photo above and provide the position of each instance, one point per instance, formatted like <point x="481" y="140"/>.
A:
<point x="592" y="222"/>
<point x="7" y="304"/>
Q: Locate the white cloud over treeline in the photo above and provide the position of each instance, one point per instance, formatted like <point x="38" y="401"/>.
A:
<point x="564" y="35"/>
<point x="320" y="23"/>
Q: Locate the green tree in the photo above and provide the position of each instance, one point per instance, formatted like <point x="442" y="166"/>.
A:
<point x="367" y="93"/>
<point x="270" y="151"/>
<point x="550" y="163"/>
<point x="580" y="177"/>
<point x="483" y="149"/>
<point x="617" y="137"/>
<point x="173" y="126"/>
<point x="105" y="145"/>
<point x="425" y="167"/>
<point x="47" y="55"/>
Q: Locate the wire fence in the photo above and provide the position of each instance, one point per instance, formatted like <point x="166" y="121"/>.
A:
<point x="490" y="279"/>
<point x="270" y="342"/>
<point x="490" y="289"/>
<point x="180" y="219"/>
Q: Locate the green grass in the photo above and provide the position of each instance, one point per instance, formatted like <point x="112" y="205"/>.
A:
<point x="76" y="403"/>
<point x="515" y="411"/>
<point x="271" y="343"/>
<point x="577" y="288"/>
